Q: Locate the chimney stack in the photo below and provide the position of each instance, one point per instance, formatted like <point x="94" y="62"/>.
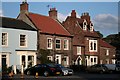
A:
<point x="24" y="7"/>
<point x="73" y="14"/>
<point x="86" y="16"/>
<point x="53" y="13"/>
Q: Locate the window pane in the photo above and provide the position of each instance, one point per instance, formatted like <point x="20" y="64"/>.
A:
<point x="94" y="46"/>
<point x="49" y="43"/>
<point x="65" y="44"/>
<point x="58" y="44"/>
<point x="4" y="38"/>
<point x="22" y="40"/>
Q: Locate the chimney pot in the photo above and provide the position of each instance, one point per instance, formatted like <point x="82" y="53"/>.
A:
<point x="73" y="13"/>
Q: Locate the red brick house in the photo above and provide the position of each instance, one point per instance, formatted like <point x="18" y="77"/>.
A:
<point x="87" y="46"/>
<point x="107" y="53"/>
<point x="51" y="34"/>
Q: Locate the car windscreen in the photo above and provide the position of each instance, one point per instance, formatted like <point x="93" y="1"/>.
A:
<point x="51" y="65"/>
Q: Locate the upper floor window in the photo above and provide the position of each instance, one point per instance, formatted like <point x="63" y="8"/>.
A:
<point x="4" y="39"/>
<point x="78" y="50"/>
<point x="93" y="45"/>
<point x="91" y="27"/>
<point x="85" y="25"/>
<point x="58" y="44"/>
<point x="66" y="44"/>
<point x="49" y="43"/>
<point x="107" y="52"/>
<point x="23" y="42"/>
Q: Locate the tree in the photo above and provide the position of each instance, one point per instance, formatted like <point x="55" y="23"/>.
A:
<point x="101" y="35"/>
<point x="42" y="56"/>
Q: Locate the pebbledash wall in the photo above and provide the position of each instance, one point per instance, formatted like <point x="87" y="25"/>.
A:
<point x="13" y="48"/>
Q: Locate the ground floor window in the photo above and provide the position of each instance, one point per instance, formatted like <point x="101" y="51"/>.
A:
<point x="66" y="61"/>
<point x="27" y="58"/>
<point x="50" y="58"/>
<point x="113" y="61"/>
<point x="91" y="60"/>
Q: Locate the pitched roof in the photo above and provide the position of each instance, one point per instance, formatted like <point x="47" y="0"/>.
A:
<point x="105" y="44"/>
<point x="48" y="25"/>
<point x="15" y="24"/>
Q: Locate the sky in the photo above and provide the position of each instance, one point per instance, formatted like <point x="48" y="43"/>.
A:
<point x="104" y="15"/>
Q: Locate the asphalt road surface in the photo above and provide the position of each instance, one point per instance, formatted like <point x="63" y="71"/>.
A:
<point x="76" y="76"/>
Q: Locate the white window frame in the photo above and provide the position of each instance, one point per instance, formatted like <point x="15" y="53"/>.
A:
<point x="26" y="54"/>
<point x="107" y="61"/>
<point x="58" y="43"/>
<point x="25" y="40"/>
<point x="107" y="52"/>
<point x="66" y="44"/>
<point x="50" y="58"/>
<point x="91" y="27"/>
<point x="85" y="26"/>
<point x="51" y="44"/>
<point x="6" y="42"/>
<point x="93" y="42"/>
<point x="78" y="50"/>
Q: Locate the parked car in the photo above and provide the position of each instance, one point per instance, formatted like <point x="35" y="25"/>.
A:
<point x="43" y="69"/>
<point x="113" y="67"/>
<point x="99" y="68"/>
<point x="65" y="71"/>
<point x="118" y="67"/>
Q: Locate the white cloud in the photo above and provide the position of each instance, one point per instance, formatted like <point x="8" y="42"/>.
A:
<point x="61" y="17"/>
<point x="1" y="13"/>
<point x="106" y="23"/>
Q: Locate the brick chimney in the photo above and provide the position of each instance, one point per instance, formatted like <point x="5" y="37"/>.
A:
<point x="53" y="13"/>
<point x="86" y="16"/>
<point x="73" y="13"/>
<point x="24" y="7"/>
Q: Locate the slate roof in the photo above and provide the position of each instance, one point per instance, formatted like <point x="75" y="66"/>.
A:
<point x="48" y="25"/>
<point x="14" y="24"/>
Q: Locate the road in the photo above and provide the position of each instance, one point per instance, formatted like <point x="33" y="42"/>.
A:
<point x="76" y="76"/>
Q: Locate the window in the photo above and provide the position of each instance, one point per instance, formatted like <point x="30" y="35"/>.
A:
<point x="91" y="27"/>
<point x="49" y="43"/>
<point x="107" y="61"/>
<point x="95" y="60"/>
<point x="4" y="39"/>
<point x="101" y="61"/>
<point x="93" y="45"/>
<point x="107" y="52"/>
<point x="58" y="44"/>
<point x="66" y="44"/>
<point x="91" y="59"/>
<point x="50" y="58"/>
<point x="23" y="40"/>
<point x="78" y="50"/>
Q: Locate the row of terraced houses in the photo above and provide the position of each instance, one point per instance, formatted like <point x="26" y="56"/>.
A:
<point x="72" y="42"/>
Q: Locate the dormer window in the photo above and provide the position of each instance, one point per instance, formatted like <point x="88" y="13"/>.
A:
<point x="85" y="25"/>
<point x="91" y="27"/>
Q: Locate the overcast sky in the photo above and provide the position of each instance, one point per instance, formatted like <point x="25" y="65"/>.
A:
<point x="104" y="15"/>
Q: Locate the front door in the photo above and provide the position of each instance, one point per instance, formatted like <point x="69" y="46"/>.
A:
<point x="4" y="65"/>
<point x="58" y="59"/>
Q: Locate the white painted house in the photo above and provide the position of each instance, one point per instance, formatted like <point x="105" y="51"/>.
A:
<point x="18" y="44"/>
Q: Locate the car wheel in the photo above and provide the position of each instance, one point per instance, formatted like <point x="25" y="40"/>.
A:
<point x="28" y="73"/>
<point x="46" y="73"/>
